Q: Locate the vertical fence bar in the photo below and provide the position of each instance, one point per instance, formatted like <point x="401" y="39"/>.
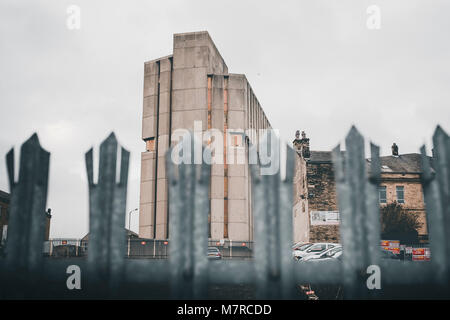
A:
<point x="359" y="211"/>
<point x="200" y="245"/>
<point x="441" y="159"/>
<point x="372" y="218"/>
<point x="189" y="205"/>
<point x="272" y="210"/>
<point x="107" y="203"/>
<point x="435" y="220"/>
<point x="436" y="194"/>
<point x="345" y="227"/>
<point x="263" y="193"/>
<point x="261" y="253"/>
<point x="188" y="209"/>
<point x="286" y="227"/>
<point x="26" y="230"/>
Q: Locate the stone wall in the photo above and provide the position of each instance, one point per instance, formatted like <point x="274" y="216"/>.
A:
<point x="315" y="190"/>
<point x="300" y="202"/>
<point x="321" y="187"/>
<point x="322" y="197"/>
<point x="324" y="233"/>
<point x="413" y="194"/>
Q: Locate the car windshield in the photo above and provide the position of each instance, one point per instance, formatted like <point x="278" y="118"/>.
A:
<point x="305" y="246"/>
<point x="332" y="252"/>
<point x="317" y="248"/>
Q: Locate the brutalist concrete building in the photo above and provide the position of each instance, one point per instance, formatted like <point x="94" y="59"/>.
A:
<point x="193" y="85"/>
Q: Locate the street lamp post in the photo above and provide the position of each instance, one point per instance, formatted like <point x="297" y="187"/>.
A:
<point x="129" y="228"/>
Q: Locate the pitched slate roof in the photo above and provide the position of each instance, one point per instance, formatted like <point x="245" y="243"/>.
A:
<point x="321" y="156"/>
<point x="407" y="163"/>
<point x="410" y="163"/>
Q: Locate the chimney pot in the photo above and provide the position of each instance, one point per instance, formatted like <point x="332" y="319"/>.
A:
<point x="394" y="149"/>
<point x="301" y="144"/>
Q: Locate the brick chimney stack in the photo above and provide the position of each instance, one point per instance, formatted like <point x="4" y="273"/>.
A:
<point x="301" y="145"/>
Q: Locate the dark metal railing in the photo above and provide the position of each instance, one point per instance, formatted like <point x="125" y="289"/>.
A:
<point x="188" y="273"/>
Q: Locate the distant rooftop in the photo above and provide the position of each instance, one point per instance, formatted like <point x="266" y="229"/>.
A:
<point x="408" y="163"/>
<point x="4" y="196"/>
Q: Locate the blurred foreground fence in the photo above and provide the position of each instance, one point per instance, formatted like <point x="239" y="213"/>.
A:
<point x="188" y="273"/>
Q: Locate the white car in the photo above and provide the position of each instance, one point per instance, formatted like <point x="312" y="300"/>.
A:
<point x="332" y="253"/>
<point x="315" y="248"/>
<point x="300" y="247"/>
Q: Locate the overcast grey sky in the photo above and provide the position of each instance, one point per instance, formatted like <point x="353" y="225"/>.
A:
<point x="314" y="66"/>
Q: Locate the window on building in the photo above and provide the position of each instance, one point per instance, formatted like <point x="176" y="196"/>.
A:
<point x="400" y="194"/>
<point x="236" y="140"/>
<point x="150" y="144"/>
<point x="382" y="192"/>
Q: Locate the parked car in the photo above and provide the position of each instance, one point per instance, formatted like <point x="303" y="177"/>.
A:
<point x="336" y="254"/>
<point x="301" y="245"/>
<point x="315" y="248"/>
<point x="329" y="254"/>
<point x="214" y="253"/>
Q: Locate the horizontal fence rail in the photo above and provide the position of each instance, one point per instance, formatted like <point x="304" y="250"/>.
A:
<point x="185" y="271"/>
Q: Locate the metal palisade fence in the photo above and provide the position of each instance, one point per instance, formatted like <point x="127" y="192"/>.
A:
<point x="187" y="273"/>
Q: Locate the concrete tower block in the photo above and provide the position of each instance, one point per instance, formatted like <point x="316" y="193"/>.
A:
<point x="175" y="96"/>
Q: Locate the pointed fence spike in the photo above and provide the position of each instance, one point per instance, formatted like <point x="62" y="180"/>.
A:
<point x="107" y="206"/>
<point x="290" y="164"/>
<point x="124" y="163"/>
<point x="111" y="137"/>
<point x="338" y="163"/>
<point x="10" y="168"/>
<point x="89" y="166"/>
<point x="26" y="225"/>
<point x="427" y="175"/>
<point x="372" y="218"/>
<point x="375" y="165"/>
<point x="439" y="132"/>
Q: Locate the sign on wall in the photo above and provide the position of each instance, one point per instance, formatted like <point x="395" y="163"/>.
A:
<point x="324" y="218"/>
<point x="421" y="254"/>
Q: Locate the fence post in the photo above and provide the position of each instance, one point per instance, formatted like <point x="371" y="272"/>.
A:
<point x="359" y="211"/>
<point x="188" y="210"/>
<point x="107" y="204"/>
<point x="26" y="230"/>
<point x="231" y="249"/>
<point x="272" y="210"/>
<point x="128" y="246"/>
<point x="437" y="193"/>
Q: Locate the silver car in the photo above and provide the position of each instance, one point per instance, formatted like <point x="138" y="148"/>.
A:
<point x="214" y="253"/>
<point x="330" y="254"/>
<point x="316" y="248"/>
